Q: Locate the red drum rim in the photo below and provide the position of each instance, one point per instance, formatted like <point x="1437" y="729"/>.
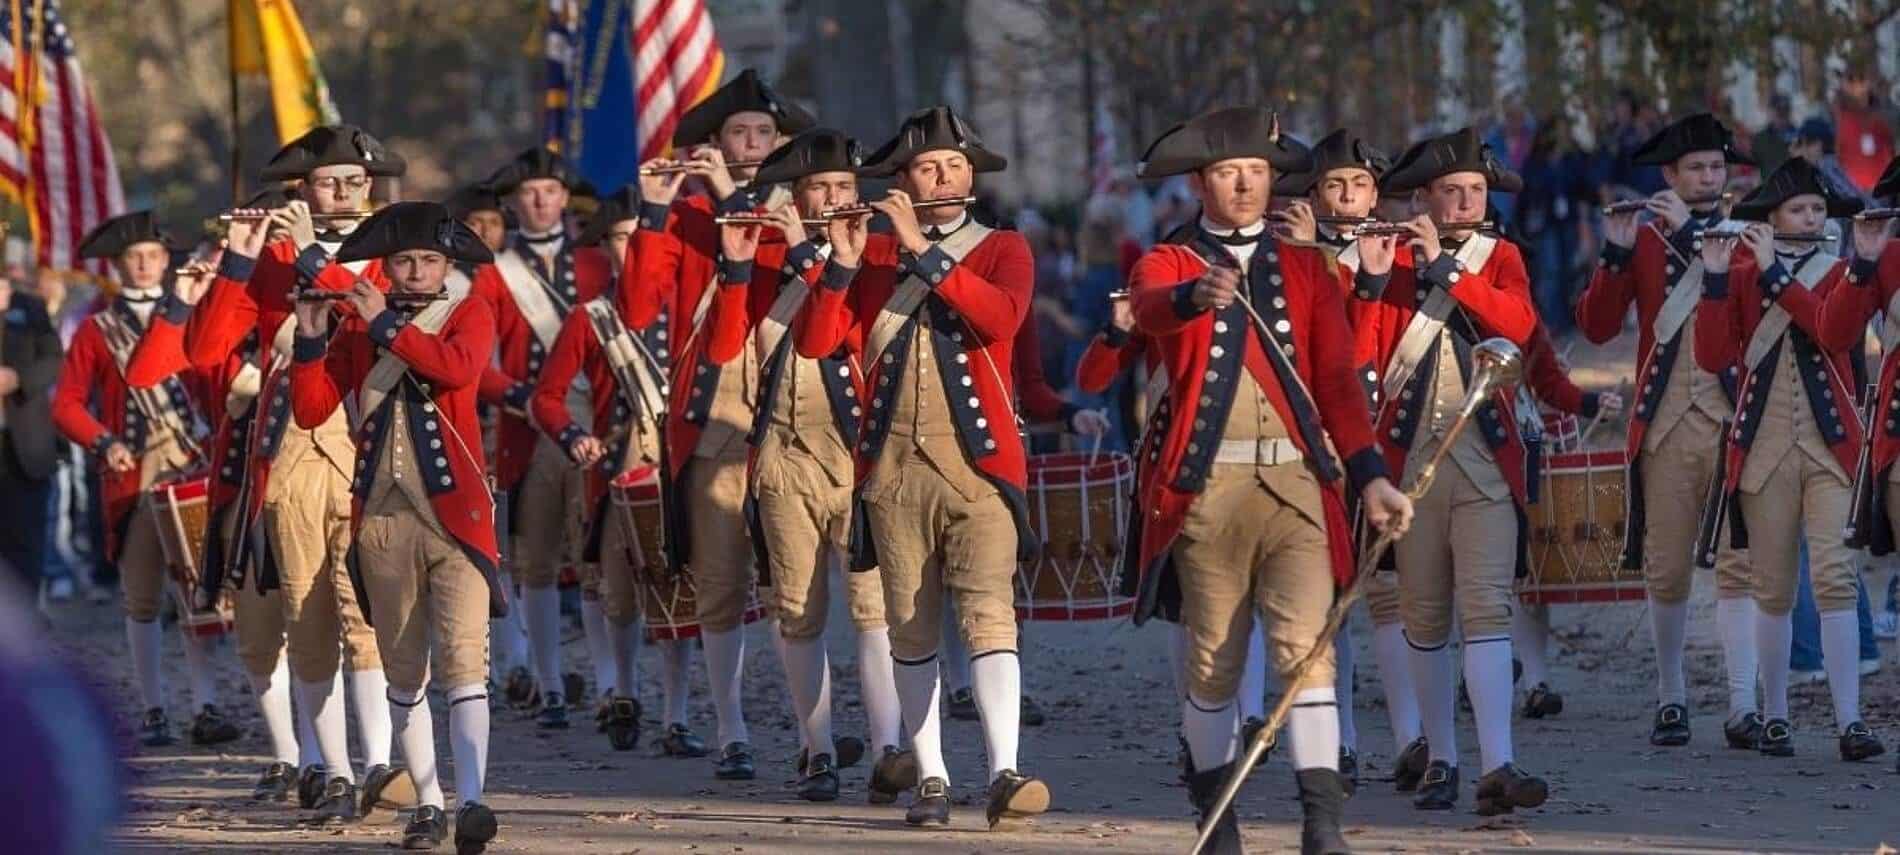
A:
<point x="1073" y="467"/>
<point x="187" y="487"/>
<point x="1579" y="460"/>
<point x="690" y="628"/>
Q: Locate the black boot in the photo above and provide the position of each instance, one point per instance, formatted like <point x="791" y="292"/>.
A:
<point x="1409" y="769"/>
<point x="680" y="741"/>
<point x="1671" y="727"/>
<point x="1203" y="789"/>
<point x="310" y="785"/>
<point x="155" y="730"/>
<point x="1322" y="801"/>
<point x="1777" y="738"/>
<point x="735" y="763"/>
<point x="553" y="714"/>
<point x="275" y="784"/>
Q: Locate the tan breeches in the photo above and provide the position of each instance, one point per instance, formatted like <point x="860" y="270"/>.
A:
<point x="1803" y="498"/>
<point x="425" y="593"/>
<point x="306" y="517"/>
<point x="806" y="522"/>
<point x="1676" y="480"/>
<point x="549" y="514"/>
<point x="1462" y="549"/>
<point x="722" y="559"/>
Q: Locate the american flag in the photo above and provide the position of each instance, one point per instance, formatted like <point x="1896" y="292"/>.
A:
<point x="55" y="159"/>
<point x="615" y="61"/>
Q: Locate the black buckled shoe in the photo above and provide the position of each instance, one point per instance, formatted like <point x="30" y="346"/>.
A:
<point x="1671" y="727"/>
<point x="275" y="784"/>
<point x="1322" y="803"/>
<point x="475" y="826"/>
<point x="1542" y="702"/>
<point x="337" y="805"/>
<point x="519" y="689"/>
<point x="1438" y="787"/>
<point x="894" y="772"/>
<point x="387" y="788"/>
<point x="574" y="686"/>
<point x="426" y="829"/>
<point x="602" y="712"/>
<point x="735" y="763"/>
<point x="210" y="727"/>
<point x="155" y="730"/>
<point x="820" y="781"/>
<point x="553" y="714"/>
<point x="931" y="805"/>
<point x="1507" y="788"/>
<point x="1409" y="768"/>
<point x="1777" y="738"/>
<point x="963" y="705"/>
<point x="1203" y="789"/>
<point x="1859" y="743"/>
<point x="310" y="785"/>
<point x="1031" y="715"/>
<point x="1744" y="731"/>
<point x="623" y="723"/>
<point x="680" y="741"/>
<point x="1349" y="770"/>
<point x="846" y="751"/>
<point x="1014" y="795"/>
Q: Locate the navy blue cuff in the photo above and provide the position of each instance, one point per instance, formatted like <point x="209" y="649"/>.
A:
<point x="1115" y="336"/>
<point x="837" y="277"/>
<point x="1617" y="258"/>
<point x="518" y="395"/>
<point x="311" y="261"/>
<point x="236" y="267"/>
<point x="1775" y="280"/>
<point x="738" y="203"/>
<point x="175" y="311"/>
<point x="801" y="258"/>
<point x="934" y="265"/>
<point x="1370" y="286"/>
<point x="1442" y="272"/>
<point x="1714" y="285"/>
<point x="1592" y="404"/>
<point x="1364" y="467"/>
<point x="570" y="435"/>
<point x="1861" y="271"/>
<point x="104" y="442"/>
<point x="309" y="348"/>
<point x="384" y="327"/>
<point x="1183" y="301"/>
<point x="735" y="272"/>
<point x="1687" y="236"/>
<point x="653" y="216"/>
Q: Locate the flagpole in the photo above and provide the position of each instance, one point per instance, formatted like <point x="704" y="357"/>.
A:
<point x="237" y="123"/>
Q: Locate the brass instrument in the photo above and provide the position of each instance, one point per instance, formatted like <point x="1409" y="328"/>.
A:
<point x="1499" y="366"/>
<point x="1379" y="229"/>
<point x="1868" y="215"/>
<point x="1118" y="294"/>
<point x="1633" y="206"/>
<point x="677" y="168"/>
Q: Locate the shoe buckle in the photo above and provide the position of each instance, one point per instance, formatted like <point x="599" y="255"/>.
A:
<point x="1670" y="715"/>
<point x="932" y="789"/>
<point x="1437" y="775"/>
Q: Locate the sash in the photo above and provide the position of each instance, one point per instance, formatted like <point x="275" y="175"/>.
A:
<point x="1421" y="333"/>
<point x="532" y="297"/>
<point x="1349" y="257"/>
<point x="457" y="283"/>
<point x="772" y="328"/>
<point x="910" y="293"/>
<point x="635" y="370"/>
<point x="1679" y="305"/>
<point x="390" y="369"/>
<point x="243" y="389"/>
<point x="154" y="405"/>
<point x="1774" y="323"/>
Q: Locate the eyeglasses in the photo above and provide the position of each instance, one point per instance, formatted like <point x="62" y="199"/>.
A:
<point x="329" y="184"/>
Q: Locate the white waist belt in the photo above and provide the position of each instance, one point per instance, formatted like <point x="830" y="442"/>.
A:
<point x="1258" y="452"/>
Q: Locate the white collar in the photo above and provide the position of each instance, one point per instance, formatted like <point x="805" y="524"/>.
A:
<point x="1258" y="227"/>
<point x="951" y="227"/>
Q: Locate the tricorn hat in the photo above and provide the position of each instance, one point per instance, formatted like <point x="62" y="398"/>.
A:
<point x="470" y="198"/>
<point x="536" y="162"/>
<point x="814" y="151"/>
<point x="1337" y="150"/>
<point x="1224" y="134"/>
<point x="414" y="225"/>
<point x="116" y="235"/>
<point x="927" y="130"/>
<point x="1692" y="133"/>
<point x="1888" y="185"/>
<point x="616" y="207"/>
<point x="1795" y="177"/>
<point x="742" y="94"/>
<point x="1458" y="151"/>
<point x="332" y="145"/>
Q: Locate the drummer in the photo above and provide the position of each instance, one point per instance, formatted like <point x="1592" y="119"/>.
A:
<point x="140" y="437"/>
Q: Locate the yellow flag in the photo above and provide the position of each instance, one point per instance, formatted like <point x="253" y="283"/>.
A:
<point x="267" y="38"/>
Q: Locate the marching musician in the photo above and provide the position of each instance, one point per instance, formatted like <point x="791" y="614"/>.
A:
<point x="140" y="437"/>
<point x="676" y="253"/>
<point x="940" y="468"/>
<point x="802" y="436"/>
<point x="1462" y="555"/>
<point x="1241" y="493"/>
<point x="1796" y="433"/>
<point x="1675" y="431"/>
<point x="621" y="438"/>
<point x="480" y="208"/>
<point x="544" y="274"/>
<point x="424" y="550"/>
<point x="294" y="515"/>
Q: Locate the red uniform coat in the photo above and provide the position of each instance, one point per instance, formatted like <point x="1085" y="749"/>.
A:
<point x="1039" y="402"/>
<point x="580" y="274"/>
<point x="91" y="407"/>
<point x="976" y="307"/>
<point x="1296" y="290"/>
<point x="1845" y="312"/>
<point x="1493" y="301"/>
<point x="446" y="368"/>
<point x="1109" y="354"/>
<point x="577" y="353"/>
<point x="1550" y="381"/>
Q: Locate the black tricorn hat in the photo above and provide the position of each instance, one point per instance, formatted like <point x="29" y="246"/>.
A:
<point x="814" y="151"/>
<point x="1458" y="151"/>
<point x="616" y="207"/>
<point x="1889" y="182"/>
<point x="332" y="145"/>
<point x="114" y="236"/>
<point x="927" y="130"/>
<point x="470" y="198"/>
<point x="1337" y="150"/>
<point x="1795" y="177"/>
<point x="413" y="225"/>
<point x="742" y="94"/>
<point x="1695" y="132"/>
<point x="536" y="162"/>
<point x="271" y="197"/>
<point x="1224" y="134"/>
